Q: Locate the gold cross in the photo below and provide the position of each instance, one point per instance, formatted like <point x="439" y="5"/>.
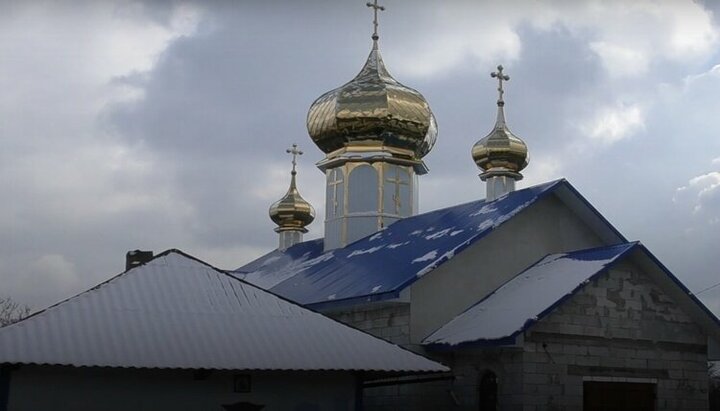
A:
<point x="295" y="152"/>
<point x="334" y="180"/>
<point x="375" y="7"/>
<point x="398" y="183"/>
<point x="500" y="76"/>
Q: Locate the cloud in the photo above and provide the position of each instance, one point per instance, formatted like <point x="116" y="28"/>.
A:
<point x="703" y="192"/>
<point x="620" y="61"/>
<point x="53" y="270"/>
<point x="627" y="36"/>
<point x="615" y="123"/>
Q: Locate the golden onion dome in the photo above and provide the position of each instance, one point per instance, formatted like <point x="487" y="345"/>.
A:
<point x="373" y="109"/>
<point x="292" y="212"/>
<point x="501" y="148"/>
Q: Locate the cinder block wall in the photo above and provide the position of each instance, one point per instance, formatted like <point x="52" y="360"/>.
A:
<point x="392" y="323"/>
<point x="620" y="327"/>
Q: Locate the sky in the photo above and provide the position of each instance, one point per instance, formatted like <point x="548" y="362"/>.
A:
<point x="153" y="125"/>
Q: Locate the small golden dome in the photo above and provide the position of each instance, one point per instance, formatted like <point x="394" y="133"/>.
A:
<point x="501" y="149"/>
<point x="373" y="109"/>
<point x="292" y="212"/>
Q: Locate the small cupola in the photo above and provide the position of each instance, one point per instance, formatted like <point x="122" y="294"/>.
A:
<point x="500" y="155"/>
<point x="291" y="213"/>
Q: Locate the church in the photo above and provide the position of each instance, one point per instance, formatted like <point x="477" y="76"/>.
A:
<point x="528" y="299"/>
<point x="531" y="297"/>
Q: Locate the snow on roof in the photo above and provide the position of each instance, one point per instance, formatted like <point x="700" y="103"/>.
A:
<point x="527" y="297"/>
<point x="381" y="265"/>
<point x="178" y="312"/>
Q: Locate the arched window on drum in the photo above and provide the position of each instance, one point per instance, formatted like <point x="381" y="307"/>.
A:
<point x="363" y="186"/>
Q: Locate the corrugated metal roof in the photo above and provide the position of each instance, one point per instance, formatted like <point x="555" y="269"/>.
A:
<point x="379" y="266"/>
<point x="177" y="312"/>
<point x="526" y="298"/>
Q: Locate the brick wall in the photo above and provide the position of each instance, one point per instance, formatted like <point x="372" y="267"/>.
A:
<point x="622" y="328"/>
<point x="392" y="322"/>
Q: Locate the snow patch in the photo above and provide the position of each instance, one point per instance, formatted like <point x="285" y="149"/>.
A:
<point x="368" y="251"/>
<point x="520" y="300"/>
<point x="439" y="234"/>
<point x="503" y="218"/>
<point x="486" y="209"/>
<point x="317" y="260"/>
<point x="396" y="245"/>
<point x="427" y="257"/>
<point x="270" y="260"/>
<point x="375" y="236"/>
<point x="425" y="270"/>
<point x="270" y="277"/>
<point x="331" y="297"/>
<point x="376" y="288"/>
<point x="456" y="232"/>
<point x="485" y="225"/>
<point x="416" y="232"/>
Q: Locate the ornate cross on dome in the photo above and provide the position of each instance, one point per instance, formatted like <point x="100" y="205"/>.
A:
<point x="375" y="7"/>
<point x="501" y="77"/>
<point x="295" y="152"/>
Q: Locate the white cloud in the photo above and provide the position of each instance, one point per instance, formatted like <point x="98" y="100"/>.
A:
<point x="627" y="36"/>
<point x="703" y="193"/>
<point x="614" y="123"/>
<point x="542" y="169"/>
<point x="620" y="61"/>
<point x="716" y="161"/>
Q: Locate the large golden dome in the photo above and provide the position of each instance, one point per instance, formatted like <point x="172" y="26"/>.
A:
<point x="373" y="109"/>
<point x="292" y="212"/>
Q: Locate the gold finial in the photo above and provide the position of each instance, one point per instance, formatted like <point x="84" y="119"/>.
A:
<point x="500" y="76"/>
<point x="295" y="152"/>
<point x="375" y="8"/>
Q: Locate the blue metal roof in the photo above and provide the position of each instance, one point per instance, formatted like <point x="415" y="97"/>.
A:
<point x="379" y="266"/>
<point x="526" y="298"/>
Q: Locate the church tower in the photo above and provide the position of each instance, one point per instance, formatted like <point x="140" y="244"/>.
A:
<point x="291" y="213"/>
<point x="374" y="132"/>
<point x="501" y="155"/>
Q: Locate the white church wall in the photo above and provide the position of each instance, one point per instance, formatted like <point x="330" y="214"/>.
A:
<point x="68" y="388"/>
<point x="621" y="327"/>
<point x="546" y="227"/>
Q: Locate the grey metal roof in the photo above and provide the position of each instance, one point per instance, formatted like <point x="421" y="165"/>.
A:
<point x="178" y="312"/>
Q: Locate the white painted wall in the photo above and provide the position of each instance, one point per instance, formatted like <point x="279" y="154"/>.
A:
<point x="68" y="388"/>
<point x="546" y="227"/>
